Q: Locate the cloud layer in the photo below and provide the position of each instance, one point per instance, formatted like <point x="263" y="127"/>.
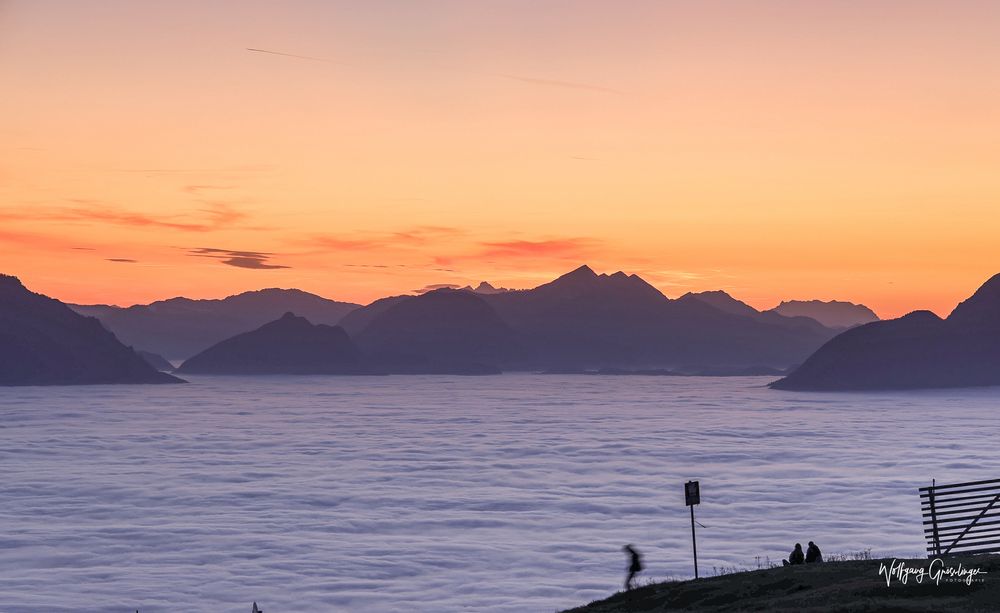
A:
<point x="510" y="493"/>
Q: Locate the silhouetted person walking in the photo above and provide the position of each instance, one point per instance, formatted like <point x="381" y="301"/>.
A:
<point x="813" y="554"/>
<point x="797" y="556"/>
<point x="634" y="565"/>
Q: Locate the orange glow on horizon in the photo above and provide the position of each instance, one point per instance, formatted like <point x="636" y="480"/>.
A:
<point x="777" y="151"/>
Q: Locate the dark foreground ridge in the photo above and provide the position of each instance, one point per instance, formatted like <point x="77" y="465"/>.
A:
<point x="43" y="342"/>
<point x="830" y="586"/>
<point x="919" y="350"/>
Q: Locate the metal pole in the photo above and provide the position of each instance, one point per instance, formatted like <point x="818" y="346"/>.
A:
<point x="934" y="521"/>
<point x="694" y="544"/>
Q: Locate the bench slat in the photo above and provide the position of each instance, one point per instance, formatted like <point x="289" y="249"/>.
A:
<point x="953" y="485"/>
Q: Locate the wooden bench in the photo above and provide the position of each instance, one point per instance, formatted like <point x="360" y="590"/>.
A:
<point x="961" y="518"/>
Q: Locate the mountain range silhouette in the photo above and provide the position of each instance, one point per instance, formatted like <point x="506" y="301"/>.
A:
<point x="581" y="321"/>
<point x="588" y="320"/>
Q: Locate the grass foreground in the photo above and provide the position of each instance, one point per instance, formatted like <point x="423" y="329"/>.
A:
<point x="830" y="586"/>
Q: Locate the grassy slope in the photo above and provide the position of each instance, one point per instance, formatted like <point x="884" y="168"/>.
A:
<point x="831" y="586"/>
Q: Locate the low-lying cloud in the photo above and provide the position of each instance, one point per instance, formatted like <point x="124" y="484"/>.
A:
<point x="431" y="288"/>
<point x="256" y="260"/>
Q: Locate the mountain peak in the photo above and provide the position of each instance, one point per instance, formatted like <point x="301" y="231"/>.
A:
<point x="983" y="307"/>
<point x="485" y="287"/>
<point x="289" y="345"/>
<point x="10" y="281"/>
<point x="722" y="301"/>
<point x="712" y="293"/>
<point x="290" y="322"/>
<point x="580" y="278"/>
<point x="583" y="272"/>
<point x="584" y="283"/>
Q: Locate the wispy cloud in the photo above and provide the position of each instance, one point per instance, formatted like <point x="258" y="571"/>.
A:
<point x="445" y="249"/>
<point x="222" y="213"/>
<point x="214" y="215"/>
<point x="431" y="288"/>
<point x="122" y="260"/>
<point x="425" y="234"/>
<point x="340" y="243"/>
<point x="563" y="248"/>
<point x="55" y="242"/>
<point x="23" y="238"/>
<point x="251" y="262"/>
<point x="257" y="260"/>
<point x="364" y="241"/>
<point x="246" y="168"/>
<point x="198" y="189"/>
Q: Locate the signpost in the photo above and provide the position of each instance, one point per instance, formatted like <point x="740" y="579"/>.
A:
<point x="692" y="496"/>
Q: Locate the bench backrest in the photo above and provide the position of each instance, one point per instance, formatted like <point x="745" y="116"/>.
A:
<point x="961" y="518"/>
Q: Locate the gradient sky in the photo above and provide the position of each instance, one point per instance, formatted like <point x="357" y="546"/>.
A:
<point x="791" y="149"/>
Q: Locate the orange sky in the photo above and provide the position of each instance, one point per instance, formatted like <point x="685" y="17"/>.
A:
<point x="773" y="149"/>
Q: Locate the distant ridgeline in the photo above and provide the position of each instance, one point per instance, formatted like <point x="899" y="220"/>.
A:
<point x="580" y="321"/>
<point x="919" y="350"/>
<point x="833" y="314"/>
<point x="181" y="327"/>
<point x="43" y="342"/>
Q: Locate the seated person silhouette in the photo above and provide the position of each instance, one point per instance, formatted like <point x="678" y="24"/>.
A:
<point x="635" y="565"/>
<point x="813" y="554"/>
<point x="797" y="556"/>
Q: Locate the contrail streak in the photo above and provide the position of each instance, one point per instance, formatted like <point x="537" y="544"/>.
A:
<point x="301" y="57"/>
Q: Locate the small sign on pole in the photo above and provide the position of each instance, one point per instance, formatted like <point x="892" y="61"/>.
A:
<point x="692" y="496"/>
<point x="692" y="493"/>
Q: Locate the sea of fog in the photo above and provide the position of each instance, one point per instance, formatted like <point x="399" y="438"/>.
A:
<point x="504" y="493"/>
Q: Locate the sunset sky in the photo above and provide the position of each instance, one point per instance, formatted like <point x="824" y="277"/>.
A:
<point x="792" y="149"/>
